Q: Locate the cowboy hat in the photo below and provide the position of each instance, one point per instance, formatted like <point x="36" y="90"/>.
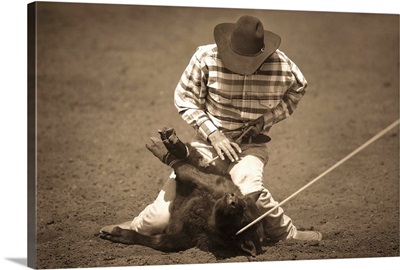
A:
<point x="243" y="46"/>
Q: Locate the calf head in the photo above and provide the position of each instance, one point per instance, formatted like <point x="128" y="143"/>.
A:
<point x="231" y="213"/>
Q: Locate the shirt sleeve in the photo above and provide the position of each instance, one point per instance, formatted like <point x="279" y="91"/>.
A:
<point x="290" y="99"/>
<point x="190" y="94"/>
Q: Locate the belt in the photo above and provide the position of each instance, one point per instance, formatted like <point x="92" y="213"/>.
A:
<point x="260" y="138"/>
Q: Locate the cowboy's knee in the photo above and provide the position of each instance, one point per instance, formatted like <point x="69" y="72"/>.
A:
<point x="248" y="181"/>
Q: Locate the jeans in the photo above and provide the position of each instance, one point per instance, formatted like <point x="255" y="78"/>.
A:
<point x="247" y="174"/>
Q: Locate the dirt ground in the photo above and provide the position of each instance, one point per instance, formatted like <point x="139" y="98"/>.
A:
<point x="106" y="76"/>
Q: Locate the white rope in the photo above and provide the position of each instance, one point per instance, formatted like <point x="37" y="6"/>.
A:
<point x="377" y="136"/>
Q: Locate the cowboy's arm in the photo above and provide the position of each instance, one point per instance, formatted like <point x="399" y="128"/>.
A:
<point x="189" y="98"/>
<point x="190" y="101"/>
<point x="290" y="99"/>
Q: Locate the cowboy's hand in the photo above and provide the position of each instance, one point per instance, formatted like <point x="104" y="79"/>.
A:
<point x="258" y="125"/>
<point x="224" y="146"/>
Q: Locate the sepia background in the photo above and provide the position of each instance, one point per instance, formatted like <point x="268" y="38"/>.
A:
<point x="106" y="76"/>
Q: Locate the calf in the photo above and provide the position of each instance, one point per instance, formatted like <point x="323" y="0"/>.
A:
<point x="208" y="209"/>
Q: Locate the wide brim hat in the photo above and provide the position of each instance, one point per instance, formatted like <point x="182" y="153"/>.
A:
<point x="243" y="46"/>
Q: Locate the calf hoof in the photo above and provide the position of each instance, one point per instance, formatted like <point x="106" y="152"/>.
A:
<point x="113" y="234"/>
<point x="118" y="235"/>
<point x="123" y="236"/>
<point x="174" y="145"/>
<point x="108" y="229"/>
<point x="158" y="149"/>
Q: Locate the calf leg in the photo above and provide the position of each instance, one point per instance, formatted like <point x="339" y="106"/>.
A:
<point x="174" y="145"/>
<point x="184" y="171"/>
<point x="171" y="149"/>
<point x="109" y="228"/>
<point x="163" y="242"/>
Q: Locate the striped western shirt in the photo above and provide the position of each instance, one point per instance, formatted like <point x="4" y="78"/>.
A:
<point x="210" y="97"/>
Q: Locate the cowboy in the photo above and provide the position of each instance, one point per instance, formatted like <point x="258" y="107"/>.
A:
<point x="242" y="81"/>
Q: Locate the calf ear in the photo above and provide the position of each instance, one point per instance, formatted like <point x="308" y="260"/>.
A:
<point x="252" y="196"/>
<point x="248" y="247"/>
